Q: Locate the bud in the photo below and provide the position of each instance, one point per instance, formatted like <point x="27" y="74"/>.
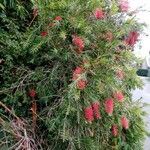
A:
<point x="58" y="18"/>
<point x="77" y="41"/>
<point x="124" y="5"/>
<point x="120" y="74"/>
<point x="32" y="93"/>
<point x="35" y="12"/>
<point x="44" y="34"/>
<point x="109" y="106"/>
<point x="118" y="95"/>
<point x="114" y="130"/>
<point x="99" y="14"/>
<point x="109" y="36"/>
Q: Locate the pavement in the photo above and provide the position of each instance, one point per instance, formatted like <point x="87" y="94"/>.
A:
<point x="145" y="94"/>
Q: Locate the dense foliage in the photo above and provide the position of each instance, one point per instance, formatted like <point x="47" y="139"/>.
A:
<point x="67" y="72"/>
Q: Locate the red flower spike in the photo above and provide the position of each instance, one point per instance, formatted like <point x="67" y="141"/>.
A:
<point x="88" y="113"/>
<point x="77" y="41"/>
<point x="118" y="95"/>
<point x="96" y="109"/>
<point x="32" y="93"/>
<point x="81" y="84"/>
<point x="109" y="106"/>
<point x="44" y="34"/>
<point x="120" y="74"/>
<point x="99" y="14"/>
<point x="124" y="5"/>
<point x="114" y="130"/>
<point x="132" y="38"/>
<point x="58" y="18"/>
<point x="77" y="72"/>
<point x="125" y="122"/>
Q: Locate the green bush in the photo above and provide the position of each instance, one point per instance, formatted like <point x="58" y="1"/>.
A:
<point x="44" y="99"/>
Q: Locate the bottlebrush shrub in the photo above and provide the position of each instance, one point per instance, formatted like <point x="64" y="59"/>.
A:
<point x="46" y="51"/>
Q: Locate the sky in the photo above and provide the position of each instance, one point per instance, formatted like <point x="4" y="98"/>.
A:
<point x="143" y="17"/>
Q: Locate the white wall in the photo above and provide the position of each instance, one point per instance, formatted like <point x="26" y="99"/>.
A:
<point x="143" y="17"/>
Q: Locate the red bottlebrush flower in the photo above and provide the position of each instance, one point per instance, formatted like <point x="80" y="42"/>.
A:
<point x="81" y="84"/>
<point x="96" y="109"/>
<point x="120" y="74"/>
<point x="77" y="72"/>
<point x="109" y="36"/>
<point x="114" y="130"/>
<point x="58" y="18"/>
<point x="44" y="34"/>
<point x="88" y="113"/>
<point x="109" y="106"/>
<point x="78" y="42"/>
<point x="132" y="38"/>
<point x="99" y="14"/>
<point x="118" y="95"/>
<point x="125" y="122"/>
<point x="32" y="93"/>
<point x="124" y="5"/>
<point x="35" y="12"/>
